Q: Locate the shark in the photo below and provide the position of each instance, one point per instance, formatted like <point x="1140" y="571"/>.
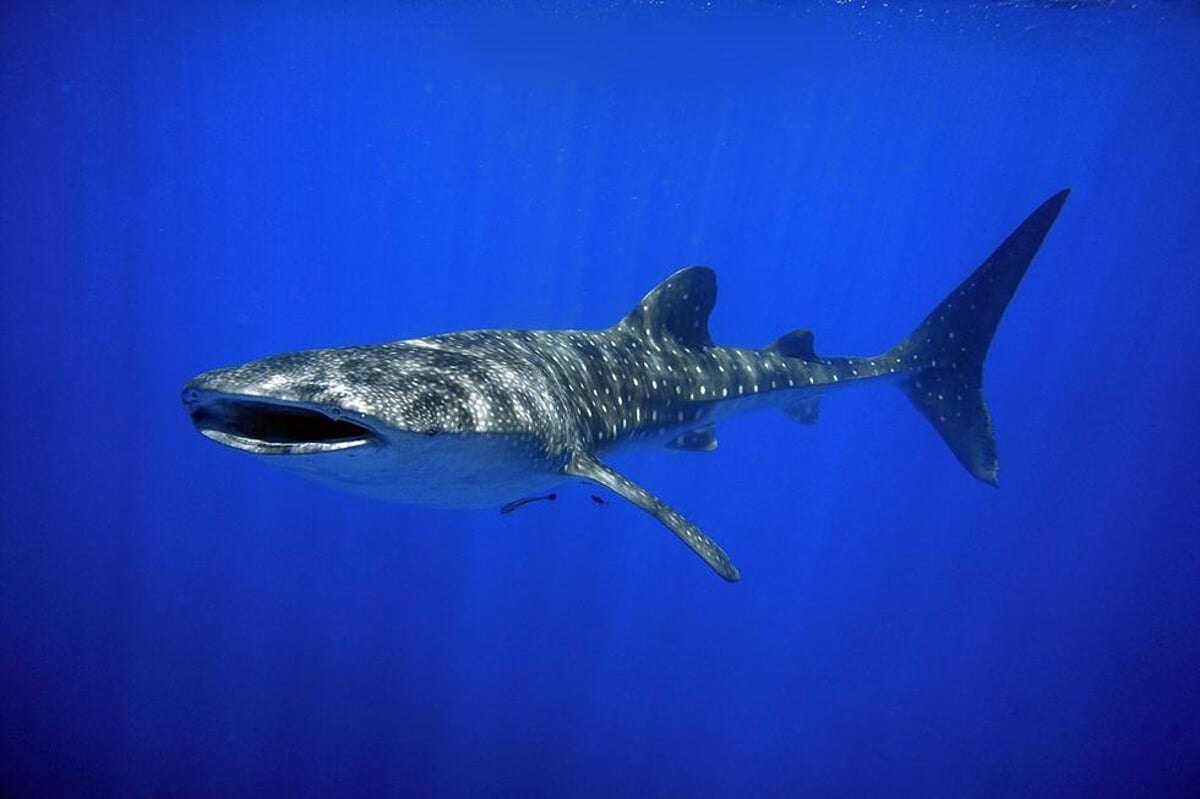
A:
<point x="487" y="418"/>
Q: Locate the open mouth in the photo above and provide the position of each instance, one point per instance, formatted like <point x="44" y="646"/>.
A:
<point x="268" y="427"/>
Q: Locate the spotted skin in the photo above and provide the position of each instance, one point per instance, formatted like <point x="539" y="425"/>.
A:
<point x="488" y="417"/>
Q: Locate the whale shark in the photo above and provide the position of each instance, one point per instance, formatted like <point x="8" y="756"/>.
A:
<point x="487" y="418"/>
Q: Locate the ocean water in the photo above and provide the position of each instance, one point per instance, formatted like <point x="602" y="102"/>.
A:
<point x="186" y="186"/>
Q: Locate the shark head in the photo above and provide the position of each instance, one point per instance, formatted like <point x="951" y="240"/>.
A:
<point x="324" y="401"/>
<point x="404" y="421"/>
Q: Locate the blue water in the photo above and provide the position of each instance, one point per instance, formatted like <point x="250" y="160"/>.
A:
<point x="185" y="186"/>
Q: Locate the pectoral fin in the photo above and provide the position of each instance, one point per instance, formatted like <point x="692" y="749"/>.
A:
<point x="587" y="467"/>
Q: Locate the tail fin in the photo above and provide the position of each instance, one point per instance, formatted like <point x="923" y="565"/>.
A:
<point x="949" y="347"/>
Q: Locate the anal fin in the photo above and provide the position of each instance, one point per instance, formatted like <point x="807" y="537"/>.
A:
<point x="587" y="467"/>
<point x="805" y="411"/>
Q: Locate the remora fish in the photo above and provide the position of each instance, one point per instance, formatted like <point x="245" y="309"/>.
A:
<point x="488" y="417"/>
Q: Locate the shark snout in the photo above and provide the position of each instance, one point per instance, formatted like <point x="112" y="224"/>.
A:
<point x="191" y="394"/>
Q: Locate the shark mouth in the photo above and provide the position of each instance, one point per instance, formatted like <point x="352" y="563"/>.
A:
<point x="274" y="427"/>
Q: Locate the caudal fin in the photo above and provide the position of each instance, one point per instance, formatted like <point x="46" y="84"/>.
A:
<point x="949" y="347"/>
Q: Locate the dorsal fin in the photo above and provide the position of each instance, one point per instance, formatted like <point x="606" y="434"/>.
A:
<point x="677" y="309"/>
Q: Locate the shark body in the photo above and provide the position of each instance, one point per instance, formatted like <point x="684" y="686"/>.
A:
<point x="484" y="418"/>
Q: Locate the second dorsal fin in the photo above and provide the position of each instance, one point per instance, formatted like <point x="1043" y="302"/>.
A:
<point x="796" y="344"/>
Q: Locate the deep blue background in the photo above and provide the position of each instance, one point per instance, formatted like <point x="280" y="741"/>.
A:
<point x="185" y="186"/>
